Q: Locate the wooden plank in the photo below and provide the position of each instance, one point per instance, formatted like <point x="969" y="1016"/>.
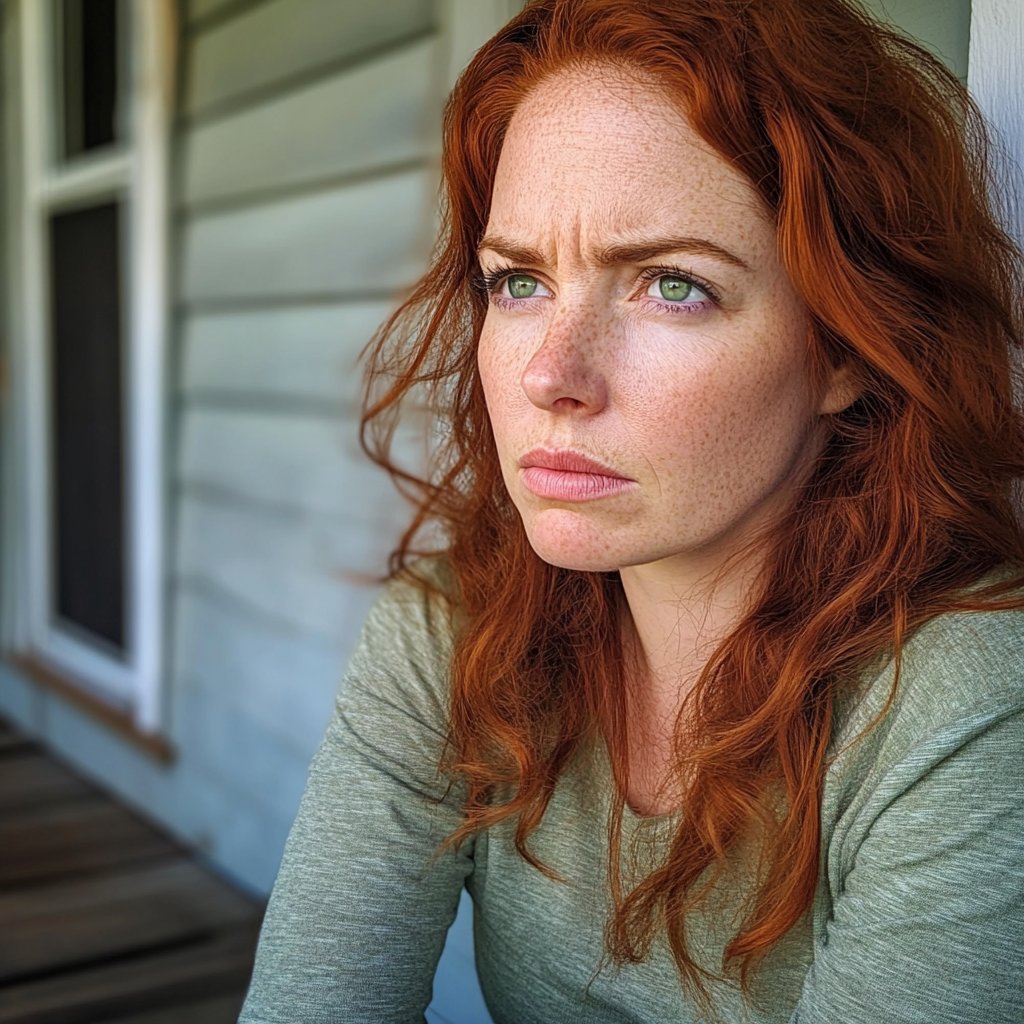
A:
<point x="81" y="921"/>
<point x="369" y="237"/>
<point x="291" y="462"/>
<point x="290" y="567"/>
<point x="309" y="352"/>
<point x="218" y="966"/>
<point x="221" y="1010"/>
<point x="87" y="835"/>
<point x="30" y="779"/>
<point x="12" y="742"/>
<point x="278" y="40"/>
<point x="372" y="116"/>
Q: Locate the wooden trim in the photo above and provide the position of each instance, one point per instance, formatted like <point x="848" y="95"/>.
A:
<point x="115" y="719"/>
<point x="154" y="32"/>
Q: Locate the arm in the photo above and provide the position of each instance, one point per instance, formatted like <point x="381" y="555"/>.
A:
<point x="363" y="900"/>
<point x="928" y="920"/>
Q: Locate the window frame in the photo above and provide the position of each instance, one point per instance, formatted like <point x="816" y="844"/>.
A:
<point x="134" y="172"/>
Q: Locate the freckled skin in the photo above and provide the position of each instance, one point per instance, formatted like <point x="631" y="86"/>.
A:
<point x="709" y="413"/>
<point x="710" y="410"/>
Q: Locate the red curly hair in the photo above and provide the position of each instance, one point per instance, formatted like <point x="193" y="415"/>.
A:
<point x="871" y="158"/>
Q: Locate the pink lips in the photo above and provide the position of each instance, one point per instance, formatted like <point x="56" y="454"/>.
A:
<point x="562" y="475"/>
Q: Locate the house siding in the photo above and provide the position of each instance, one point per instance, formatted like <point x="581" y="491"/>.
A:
<point x="306" y="183"/>
<point x="305" y="156"/>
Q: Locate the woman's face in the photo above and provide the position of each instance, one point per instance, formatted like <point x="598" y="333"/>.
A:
<point x="644" y="355"/>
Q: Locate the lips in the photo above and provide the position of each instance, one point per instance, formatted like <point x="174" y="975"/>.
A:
<point x="563" y="475"/>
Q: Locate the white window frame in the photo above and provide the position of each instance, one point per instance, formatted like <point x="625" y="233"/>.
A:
<point x="135" y="172"/>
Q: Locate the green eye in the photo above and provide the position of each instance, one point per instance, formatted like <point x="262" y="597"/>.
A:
<point x="521" y="286"/>
<point x="675" y="289"/>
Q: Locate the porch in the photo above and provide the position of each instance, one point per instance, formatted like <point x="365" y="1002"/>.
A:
<point x="103" y="918"/>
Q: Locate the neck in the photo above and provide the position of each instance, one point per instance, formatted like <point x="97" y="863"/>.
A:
<point x="680" y="613"/>
<point x="676" y="620"/>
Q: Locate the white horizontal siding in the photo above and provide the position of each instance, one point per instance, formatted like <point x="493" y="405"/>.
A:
<point x="291" y="569"/>
<point x="237" y="754"/>
<point x="196" y="9"/>
<point x="372" y="116"/>
<point x="285" y="462"/>
<point x="305" y="207"/>
<point x="305" y="352"/>
<point x="274" y="41"/>
<point x="943" y="26"/>
<point x="366" y="238"/>
<point x="284" y="677"/>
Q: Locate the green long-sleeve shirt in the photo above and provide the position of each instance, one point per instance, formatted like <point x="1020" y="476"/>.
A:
<point x="918" y="916"/>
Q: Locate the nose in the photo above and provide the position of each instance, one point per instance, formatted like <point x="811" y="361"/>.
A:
<point x="559" y="376"/>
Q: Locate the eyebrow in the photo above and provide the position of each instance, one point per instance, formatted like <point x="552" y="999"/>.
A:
<point x="630" y="252"/>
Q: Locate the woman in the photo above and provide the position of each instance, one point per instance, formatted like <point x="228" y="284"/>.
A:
<point x="713" y="696"/>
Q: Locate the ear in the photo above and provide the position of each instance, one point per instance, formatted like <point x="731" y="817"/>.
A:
<point x="841" y="391"/>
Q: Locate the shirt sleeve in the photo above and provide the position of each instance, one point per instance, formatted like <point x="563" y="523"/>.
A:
<point x="927" y="924"/>
<point x="364" y="897"/>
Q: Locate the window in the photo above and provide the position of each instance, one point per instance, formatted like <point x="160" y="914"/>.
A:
<point x="93" y="110"/>
<point x="87" y="64"/>
<point x="86" y="423"/>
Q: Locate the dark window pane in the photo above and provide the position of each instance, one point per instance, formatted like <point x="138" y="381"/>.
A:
<point x="89" y="72"/>
<point x="88" y="476"/>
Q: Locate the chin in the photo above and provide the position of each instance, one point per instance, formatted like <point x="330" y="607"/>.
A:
<point x="559" y="538"/>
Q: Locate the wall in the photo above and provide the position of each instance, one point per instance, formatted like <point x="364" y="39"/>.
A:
<point x="305" y="206"/>
<point x="944" y="26"/>
<point x="997" y="83"/>
<point x="304" y="200"/>
<point x="305" y="169"/>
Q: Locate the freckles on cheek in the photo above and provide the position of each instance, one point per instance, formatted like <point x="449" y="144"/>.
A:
<point x="497" y="366"/>
<point x="492" y="361"/>
<point x="677" y="388"/>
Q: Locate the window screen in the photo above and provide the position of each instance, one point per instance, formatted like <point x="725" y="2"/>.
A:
<point x="88" y="553"/>
<point x="89" y="73"/>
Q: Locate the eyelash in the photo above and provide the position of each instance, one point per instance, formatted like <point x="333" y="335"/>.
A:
<point x="488" y="283"/>
<point x="649" y="274"/>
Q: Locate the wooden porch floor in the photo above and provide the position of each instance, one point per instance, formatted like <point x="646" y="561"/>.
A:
<point x="103" y="920"/>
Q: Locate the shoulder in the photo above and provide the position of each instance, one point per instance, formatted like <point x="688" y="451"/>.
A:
<point x="956" y="710"/>
<point x="958" y="672"/>
<point x="402" y="659"/>
<point x="412" y="619"/>
<point x="968" y="661"/>
<point x="920" y="902"/>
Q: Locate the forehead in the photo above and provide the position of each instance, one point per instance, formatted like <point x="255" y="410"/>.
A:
<point x="615" y="154"/>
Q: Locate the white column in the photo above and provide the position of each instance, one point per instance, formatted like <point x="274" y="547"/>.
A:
<point x="995" y="78"/>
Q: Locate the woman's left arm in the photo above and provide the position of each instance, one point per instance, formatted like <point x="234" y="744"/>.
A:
<point x="927" y="916"/>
